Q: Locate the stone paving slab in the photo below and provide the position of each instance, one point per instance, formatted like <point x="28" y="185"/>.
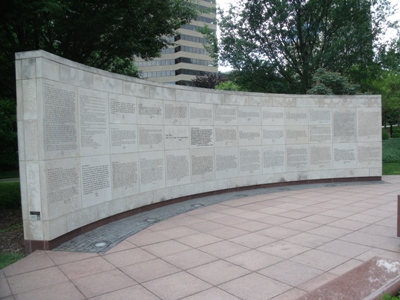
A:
<point x="113" y="233"/>
<point x="246" y="248"/>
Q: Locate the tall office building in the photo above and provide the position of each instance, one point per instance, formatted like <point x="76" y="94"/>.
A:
<point x="187" y="58"/>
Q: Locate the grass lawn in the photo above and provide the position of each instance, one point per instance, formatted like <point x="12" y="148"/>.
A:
<point x="10" y="195"/>
<point x="391" y="169"/>
<point x="8" y="259"/>
<point x="4" y="174"/>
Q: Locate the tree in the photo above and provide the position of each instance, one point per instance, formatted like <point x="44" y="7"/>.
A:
<point x="332" y="83"/>
<point x="289" y="40"/>
<point x="105" y="34"/>
<point x="8" y="134"/>
<point x="212" y="43"/>
<point x="228" y="86"/>
<point x="386" y="82"/>
<point x="208" y="81"/>
<point x="388" y="85"/>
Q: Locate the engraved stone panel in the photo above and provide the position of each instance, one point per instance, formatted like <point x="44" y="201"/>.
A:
<point x="178" y="167"/>
<point x="250" y="161"/>
<point x="320" y="157"/>
<point x="125" y="175"/>
<point x="96" y="180"/>
<point x="344" y="126"/>
<point x="152" y="171"/>
<point x="274" y="159"/>
<point x="175" y="113"/>
<point x="226" y="136"/>
<point x="296" y="116"/>
<point x="296" y="134"/>
<point x="60" y="118"/>
<point x="150" y="137"/>
<point x="249" y="135"/>
<point x="201" y="114"/>
<point x="369" y="124"/>
<point x="94" y="127"/>
<point x="201" y="137"/>
<point x="344" y="156"/>
<point x="95" y="144"/>
<point x="176" y="137"/>
<point x="226" y="162"/>
<point x="249" y="115"/>
<point x="320" y="134"/>
<point x="150" y="111"/>
<point x="297" y="157"/>
<point x="122" y="109"/>
<point x="202" y="164"/>
<point x="225" y="115"/>
<point x="273" y="116"/>
<point x="370" y="154"/>
<point x="320" y="116"/>
<point x="62" y="186"/>
<point x="123" y="138"/>
<point x="273" y="135"/>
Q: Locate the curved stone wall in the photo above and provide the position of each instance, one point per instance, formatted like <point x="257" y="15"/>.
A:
<point x="93" y="144"/>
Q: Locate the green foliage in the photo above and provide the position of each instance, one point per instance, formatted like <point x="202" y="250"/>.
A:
<point x="8" y="259"/>
<point x="391" y="169"/>
<point x="228" y="86"/>
<point x="208" y="81"/>
<point x="260" y="77"/>
<point x="9" y="173"/>
<point x="105" y="34"/>
<point x="396" y="133"/>
<point x="388" y="85"/>
<point x="290" y="40"/>
<point x="212" y="45"/>
<point x="10" y="195"/>
<point x="385" y="136"/>
<point x="386" y="296"/>
<point x="391" y="151"/>
<point x="332" y="83"/>
<point x="8" y="134"/>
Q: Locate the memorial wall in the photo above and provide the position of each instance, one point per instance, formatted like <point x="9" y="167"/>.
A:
<point x="93" y="144"/>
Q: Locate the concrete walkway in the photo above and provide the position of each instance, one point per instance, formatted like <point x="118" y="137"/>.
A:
<point x="270" y="246"/>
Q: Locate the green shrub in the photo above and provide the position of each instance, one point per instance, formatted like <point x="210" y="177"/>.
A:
<point x="10" y="195"/>
<point x="396" y="133"/>
<point x="391" y="151"/>
<point x="385" y="135"/>
<point x="386" y="296"/>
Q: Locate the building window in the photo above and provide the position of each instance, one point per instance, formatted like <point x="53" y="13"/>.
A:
<point x="190" y="38"/>
<point x="194" y="61"/>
